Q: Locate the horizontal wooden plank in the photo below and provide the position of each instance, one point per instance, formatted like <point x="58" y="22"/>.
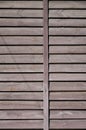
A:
<point x="21" y="68"/>
<point x="67" y="4"/>
<point x="29" y="86"/>
<point x="21" y="4"/>
<point x="21" y="40"/>
<point x="21" y="31"/>
<point x="21" y="59"/>
<point x="21" y="22"/>
<point x="55" y="114"/>
<point x="67" y="40"/>
<point x="22" y="49"/>
<point x="67" y="22"/>
<point x="67" y="68"/>
<point x="67" y="86"/>
<point x="29" y="114"/>
<point x="81" y="105"/>
<point x="21" y="13"/>
<point x="66" y="31"/>
<point x="68" y="124"/>
<point x="21" y="105"/>
<point x="68" y="95"/>
<point x="28" y="124"/>
<point x="67" y="58"/>
<point x="67" y="77"/>
<point x="67" y="13"/>
<point x="21" y="96"/>
<point x="21" y="77"/>
<point x="67" y="49"/>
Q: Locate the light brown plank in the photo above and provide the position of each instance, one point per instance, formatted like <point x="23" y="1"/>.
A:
<point x="67" y="22"/>
<point x="68" y="124"/>
<point x="68" y="105"/>
<point x="21" y="105"/>
<point x="55" y="114"/>
<point x="68" y="68"/>
<point x="67" y="4"/>
<point x="68" y="95"/>
<point x="21" y="68"/>
<point x="21" y="40"/>
<point x="67" y="31"/>
<point x="67" y="13"/>
<point x="12" y="87"/>
<point x="21" y="59"/>
<point x="21" y="77"/>
<point x="67" y="40"/>
<point x="30" y="86"/>
<point x="67" y="49"/>
<point x="29" y="124"/>
<point x="21" y="31"/>
<point x="67" y="86"/>
<point x="67" y="58"/>
<point x="21" y="13"/>
<point x="21" y="22"/>
<point x="21" y="4"/>
<point x="21" y="96"/>
<point x="30" y="114"/>
<point x="22" y="49"/>
<point x="67" y="77"/>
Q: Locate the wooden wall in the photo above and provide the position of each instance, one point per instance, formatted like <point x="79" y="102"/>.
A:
<point x="22" y="68"/>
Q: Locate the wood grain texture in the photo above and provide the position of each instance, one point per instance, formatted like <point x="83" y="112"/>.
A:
<point x="21" y="31"/>
<point x="19" y="40"/>
<point x="29" y="86"/>
<point x="22" y="114"/>
<point x="67" y="40"/>
<point x="21" y="13"/>
<point x="21" y="4"/>
<point x="21" y="105"/>
<point x="67" y="4"/>
<point x="21" y="22"/>
<point x="29" y="124"/>
<point x="68" y="124"/>
<point x="68" y="68"/>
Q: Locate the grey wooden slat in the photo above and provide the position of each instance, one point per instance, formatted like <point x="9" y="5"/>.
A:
<point x="67" y="22"/>
<point x="67" y="31"/>
<point x="67" y="4"/>
<point x="68" y="86"/>
<point x="21" y="31"/>
<point x="21" y="40"/>
<point x="68" y="68"/>
<point x="21" y="96"/>
<point x="81" y="105"/>
<point x="67" y="40"/>
<point x="21" y="105"/>
<point x="68" y="124"/>
<point x="21" y="68"/>
<point x="30" y="86"/>
<point x="46" y="76"/>
<point x="20" y="77"/>
<point x="67" y="58"/>
<point x="22" y="49"/>
<point x="21" y="13"/>
<point x="68" y="95"/>
<point x="54" y="114"/>
<point x="21" y="4"/>
<point x="67" y="49"/>
<point x="21" y="59"/>
<point x="28" y="124"/>
<point x="67" y="13"/>
<point x="67" y="77"/>
<point x="21" y="22"/>
<point x="21" y="114"/>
